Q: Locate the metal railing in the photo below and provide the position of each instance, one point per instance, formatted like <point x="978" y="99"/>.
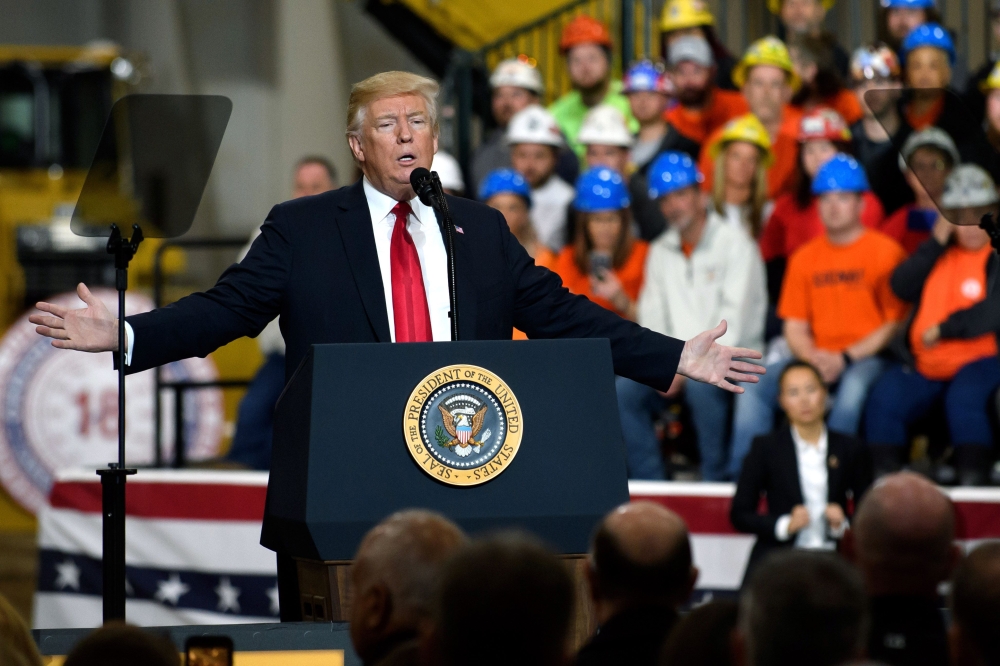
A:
<point x="179" y="388"/>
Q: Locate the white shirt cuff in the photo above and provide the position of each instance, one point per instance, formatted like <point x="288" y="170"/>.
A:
<point x="839" y="532"/>
<point x="781" y="528"/>
<point x="129" y="343"/>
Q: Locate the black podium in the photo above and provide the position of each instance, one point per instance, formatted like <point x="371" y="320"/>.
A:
<point x="342" y="460"/>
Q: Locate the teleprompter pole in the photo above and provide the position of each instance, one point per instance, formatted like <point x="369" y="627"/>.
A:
<point x="113" y="478"/>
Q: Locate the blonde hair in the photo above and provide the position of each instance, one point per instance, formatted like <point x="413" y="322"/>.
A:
<point x="758" y="191"/>
<point x="389" y="84"/>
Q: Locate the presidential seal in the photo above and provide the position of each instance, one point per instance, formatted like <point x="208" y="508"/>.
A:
<point x="462" y="425"/>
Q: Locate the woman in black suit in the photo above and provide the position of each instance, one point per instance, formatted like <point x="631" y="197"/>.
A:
<point x="807" y="474"/>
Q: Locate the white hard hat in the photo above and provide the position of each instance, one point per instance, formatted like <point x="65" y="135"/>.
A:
<point x="605" y="125"/>
<point x="517" y="73"/>
<point x="533" y="124"/>
<point x="933" y="137"/>
<point x="448" y="171"/>
<point x="968" y="186"/>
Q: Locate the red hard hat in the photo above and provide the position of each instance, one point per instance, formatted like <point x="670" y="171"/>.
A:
<point x="823" y="123"/>
<point x="584" y="30"/>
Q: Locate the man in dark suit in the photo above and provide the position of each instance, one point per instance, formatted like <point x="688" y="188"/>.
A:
<point x="640" y="573"/>
<point x="366" y="263"/>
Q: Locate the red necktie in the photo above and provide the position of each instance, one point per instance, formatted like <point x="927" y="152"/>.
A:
<point x="409" y="302"/>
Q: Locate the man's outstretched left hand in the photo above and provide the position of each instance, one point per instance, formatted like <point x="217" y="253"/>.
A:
<point x="705" y="360"/>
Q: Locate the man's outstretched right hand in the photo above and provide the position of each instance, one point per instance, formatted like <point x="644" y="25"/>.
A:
<point x="91" y="329"/>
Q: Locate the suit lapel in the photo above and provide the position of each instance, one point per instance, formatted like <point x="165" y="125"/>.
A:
<point x="791" y="462"/>
<point x="834" y="469"/>
<point x="355" y="225"/>
<point x="464" y="283"/>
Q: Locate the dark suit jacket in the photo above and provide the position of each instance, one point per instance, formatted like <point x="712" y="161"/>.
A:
<point x="316" y="266"/>
<point x="634" y="637"/>
<point x="771" y="469"/>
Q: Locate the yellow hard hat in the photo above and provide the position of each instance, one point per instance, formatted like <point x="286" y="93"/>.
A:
<point x="747" y="129"/>
<point x="766" y="51"/>
<point x="992" y="81"/>
<point x="680" y="14"/>
<point x="775" y="5"/>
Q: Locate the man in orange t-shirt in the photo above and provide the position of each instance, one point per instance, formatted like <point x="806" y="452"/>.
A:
<point x="838" y="308"/>
<point x="952" y="338"/>
<point x="702" y="107"/>
<point x="767" y="81"/>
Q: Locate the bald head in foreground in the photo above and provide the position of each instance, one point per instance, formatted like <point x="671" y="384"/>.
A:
<point x="903" y="542"/>
<point x="975" y="608"/>
<point x="395" y="578"/>
<point x="640" y="573"/>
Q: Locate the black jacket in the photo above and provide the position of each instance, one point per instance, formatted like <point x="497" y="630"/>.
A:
<point x="315" y="265"/>
<point x="907" y="631"/>
<point x="631" y="638"/>
<point x="907" y="283"/>
<point x="771" y="470"/>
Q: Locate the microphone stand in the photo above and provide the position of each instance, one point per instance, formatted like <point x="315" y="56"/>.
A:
<point x="440" y="205"/>
<point x="113" y="479"/>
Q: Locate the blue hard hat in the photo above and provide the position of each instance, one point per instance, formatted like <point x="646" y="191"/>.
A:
<point x="841" y="174"/>
<point x="645" y="76"/>
<point x="672" y="170"/>
<point x="601" y="189"/>
<point x="928" y="34"/>
<point x="501" y="181"/>
<point x="908" y="4"/>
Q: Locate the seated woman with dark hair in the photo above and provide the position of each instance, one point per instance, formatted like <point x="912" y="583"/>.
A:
<point x="806" y="472"/>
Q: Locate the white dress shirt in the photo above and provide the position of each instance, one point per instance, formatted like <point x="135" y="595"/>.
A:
<point x="549" y="208"/>
<point x="813" y="477"/>
<point x="426" y="234"/>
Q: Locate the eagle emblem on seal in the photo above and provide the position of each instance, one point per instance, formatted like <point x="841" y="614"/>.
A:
<point x="464" y="424"/>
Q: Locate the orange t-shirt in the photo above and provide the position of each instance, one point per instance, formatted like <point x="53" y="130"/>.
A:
<point x="926" y="119"/>
<point x="957" y="282"/>
<point x="784" y="147"/>
<point x="697" y="124"/>
<point x="630" y="274"/>
<point x="842" y="291"/>
<point x="545" y="258"/>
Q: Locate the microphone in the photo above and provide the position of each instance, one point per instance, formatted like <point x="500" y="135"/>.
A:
<point x="423" y="184"/>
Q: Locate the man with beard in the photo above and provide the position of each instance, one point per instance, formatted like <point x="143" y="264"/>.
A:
<point x="586" y="45"/>
<point x="701" y="106"/>
<point x="804" y="18"/>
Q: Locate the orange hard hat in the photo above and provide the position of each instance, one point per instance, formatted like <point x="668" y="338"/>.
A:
<point x="584" y="30"/>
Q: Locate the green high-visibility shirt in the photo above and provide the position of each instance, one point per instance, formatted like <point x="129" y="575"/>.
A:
<point x="569" y="111"/>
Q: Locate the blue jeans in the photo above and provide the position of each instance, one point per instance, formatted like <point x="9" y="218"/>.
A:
<point x="255" y="419"/>
<point x="901" y="395"/>
<point x="755" y="407"/>
<point x="639" y="405"/>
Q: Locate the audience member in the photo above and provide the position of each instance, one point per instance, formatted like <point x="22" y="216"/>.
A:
<point x="796" y="218"/>
<point x="17" y="648"/>
<point x="681" y="18"/>
<point x="586" y="44"/>
<point x="902" y="541"/>
<point x="394" y="580"/>
<point x="603" y="262"/>
<point x="647" y="86"/>
<point x="952" y="344"/>
<point x="925" y="160"/>
<point x="800" y="608"/>
<point x="875" y="75"/>
<point x="251" y="445"/>
<point x="606" y="139"/>
<point x="515" y="85"/>
<point x="510" y="582"/>
<point x="702" y="637"/>
<point x="702" y="107"/>
<point x="976" y="88"/>
<point x="450" y="173"/>
<point x="991" y="106"/>
<point x="804" y="19"/>
<point x="507" y="191"/>
<point x="742" y="155"/>
<point x="534" y="140"/>
<point x="822" y="80"/>
<point x="701" y="271"/>
<point x="928" y="56"/>
<point x="767" y="80"/>
<point x="811" y="477"/>
<point x="640" y="574"/>
<point x="975" y="608"/>
<point x="120" y="644"/>
<point x="898" y="18"/>
<point x="838" y="310"/>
